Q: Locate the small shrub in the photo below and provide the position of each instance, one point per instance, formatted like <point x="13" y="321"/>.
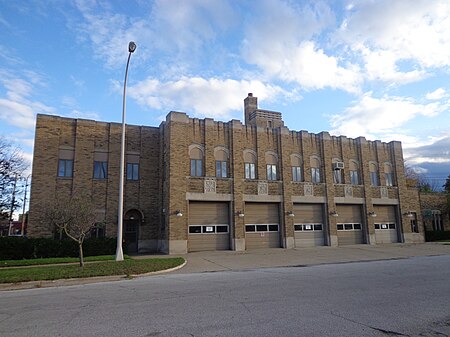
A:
<point x="437" y="235"/>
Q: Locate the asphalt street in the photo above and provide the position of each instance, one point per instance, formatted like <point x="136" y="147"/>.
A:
<point x="405" y="297"/>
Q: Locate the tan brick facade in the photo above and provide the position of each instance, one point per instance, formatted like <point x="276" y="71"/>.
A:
<point x="165" y="185"/>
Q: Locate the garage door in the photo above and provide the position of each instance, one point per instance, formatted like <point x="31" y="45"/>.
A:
<point x="308" y="225"/>
<point x="349" y="226"/>
<point x="385" y="224"/>
<point x="208" y="226"/>
<point x="262" y="229"/>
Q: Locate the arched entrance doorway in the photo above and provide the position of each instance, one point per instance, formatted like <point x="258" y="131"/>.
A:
<point x="132" y="219"/>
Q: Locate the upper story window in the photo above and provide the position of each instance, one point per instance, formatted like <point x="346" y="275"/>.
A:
<point x="65" y="163"/>
<point x="132" y="167"/>
<point x="315" y="170"/>
<point x="296" y="168"/>
<point x="249" y="164"/>
<point x="388" y="175"/>
<point x="196" y="156"/>
<point x="271" y="166"/>
<point x="221" y="156"/>
<point x="354" y="176"/>
<point x="373" y="174"/>
<point x="100" y="165"/>
<point x="338" y="172"/>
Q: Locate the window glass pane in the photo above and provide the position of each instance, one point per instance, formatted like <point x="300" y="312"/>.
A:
<point x="222" y="229"/>
<point x="392" y="226"/>
<point x="374" y="178"/>
<point x="269" y="172"/>
<point x="195" y="229"/>
<point x="129" y="171"/>
<point x="61" y="168"/>
<point x="377" y="226"/>
<point x="135" y="171"/>
<point x="252" y="171"/>
<point x="193" y="168"/>
<point x="218" y="169"/>
<point x="357" y="226"/>
<point x="247" y="171"/>
<point x="250" y="228"/>
<point x="209" y="229"/>
<point x="273" y="228"/>
<point x="261" y="228"/>
<point x="354" y="177"/>
<point x="298" y="227"/>
<point x="69" y="168"/>
<point x="199" y="168"/>
<point x="348" y="226"/>
<point x="340" y="227"/>
<point x="317" y="227"/>
<point x="274" y="172"/>
<point x="308" y="227"/>
<point x="224" y="169"/>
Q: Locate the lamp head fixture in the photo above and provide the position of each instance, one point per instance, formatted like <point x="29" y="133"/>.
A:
<point x="409" y="214"/>
<point x="334" y="213"/>
<point x="131" y="47"/>
<point x="372" y="214"/>
<point x="178" y="213"/>
<point x="290" y="214"/>
<point x="240" y="214"/>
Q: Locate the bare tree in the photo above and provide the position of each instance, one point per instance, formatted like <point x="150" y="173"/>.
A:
<point x="75" y="217"/>
<point x="12" y="166"/>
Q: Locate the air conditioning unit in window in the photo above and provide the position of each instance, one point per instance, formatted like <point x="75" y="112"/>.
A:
<point x="338" y="165"/>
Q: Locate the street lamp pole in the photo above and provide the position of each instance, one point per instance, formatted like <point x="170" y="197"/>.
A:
<point x="22" y="232"/>
<point x="119" y="250"/>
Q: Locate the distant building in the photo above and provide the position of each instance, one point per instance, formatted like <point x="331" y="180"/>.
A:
<point x="199" y="184"/>
<point x="435" y="211"/>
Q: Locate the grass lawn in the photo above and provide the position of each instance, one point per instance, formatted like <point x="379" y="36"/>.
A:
<point x="53" y="260"/>
<point x="99" y="268"/>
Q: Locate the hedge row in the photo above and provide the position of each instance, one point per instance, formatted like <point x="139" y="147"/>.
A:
<point x="17" y="248"/>
<point x="437" y="235"/>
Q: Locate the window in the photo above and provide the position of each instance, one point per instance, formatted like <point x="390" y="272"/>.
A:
<point x="389" y="179"/>
<point x="271" y="172"/>
<point x="261" y="228"/>
<point x="65" y="168"/>
<point x="388" y="175"/>
<point x="296" y="173"/>
<point x="208" y="229"/>
<point x="437" y="220"/>
<point x="315" y="175"/>
<point x="98" y="231"/>
<point x="100" y="169"/>
<point x="308" y="227"/>
<point x="385" y="226"/>
<point x="132" y="171"/>
<point x="271" y="165"/>
<point x="354" y="179"/>
<point x="315" y="169"/>
<point x="221" y="169"/>
<point x="249" y="164"/>
<point x="221" y="156"/>
<point x="337" y="177"/>
<point x="349" y="227"/>
<point x="196" y="167"/>
<point x="196" y="155"/>
<point x="250" y="171"/>
<point x="373" y="175"/>
<point x="414" y="224"/>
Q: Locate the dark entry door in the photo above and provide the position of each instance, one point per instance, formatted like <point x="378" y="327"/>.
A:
<point x="131" y="235"/>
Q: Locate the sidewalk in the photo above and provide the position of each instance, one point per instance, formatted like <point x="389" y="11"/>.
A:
<point x="279" y="257"/>
<point x="200" y="262"/>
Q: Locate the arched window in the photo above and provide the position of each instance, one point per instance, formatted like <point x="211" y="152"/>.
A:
<point x="249" y="164"/>
<point x="338" y="171"/>
<point x="296" y="167"/>
<point x="388" y="175"/>
<point x="354" y="176"/>
<point x="315" y="169"/>
<point x="196" y="156"/>
<point x="271" y="166"/>
<point x="221" y="156"/>
<point x="373" y="169"/>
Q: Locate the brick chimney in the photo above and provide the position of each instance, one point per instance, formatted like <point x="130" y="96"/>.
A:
<point x="250" y="105"/>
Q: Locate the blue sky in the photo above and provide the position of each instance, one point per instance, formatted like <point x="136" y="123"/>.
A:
<point x="378" y="69"/>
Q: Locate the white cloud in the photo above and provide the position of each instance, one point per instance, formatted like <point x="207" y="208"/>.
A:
<point x="211" y="97"/>
<point x="373" y="117"/>
<point x="390" y="33"/>
<point x="282" y="43"/>
<point x="436" y="95"/>
<point x="18" y="108"/>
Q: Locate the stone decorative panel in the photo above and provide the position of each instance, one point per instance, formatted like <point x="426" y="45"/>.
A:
<point x="348" y="191"/>
<point x="210" y="186"/>
<point x="384" y="192"/>
<point x="309" y="190"/>
<point x="263" y="189"/>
